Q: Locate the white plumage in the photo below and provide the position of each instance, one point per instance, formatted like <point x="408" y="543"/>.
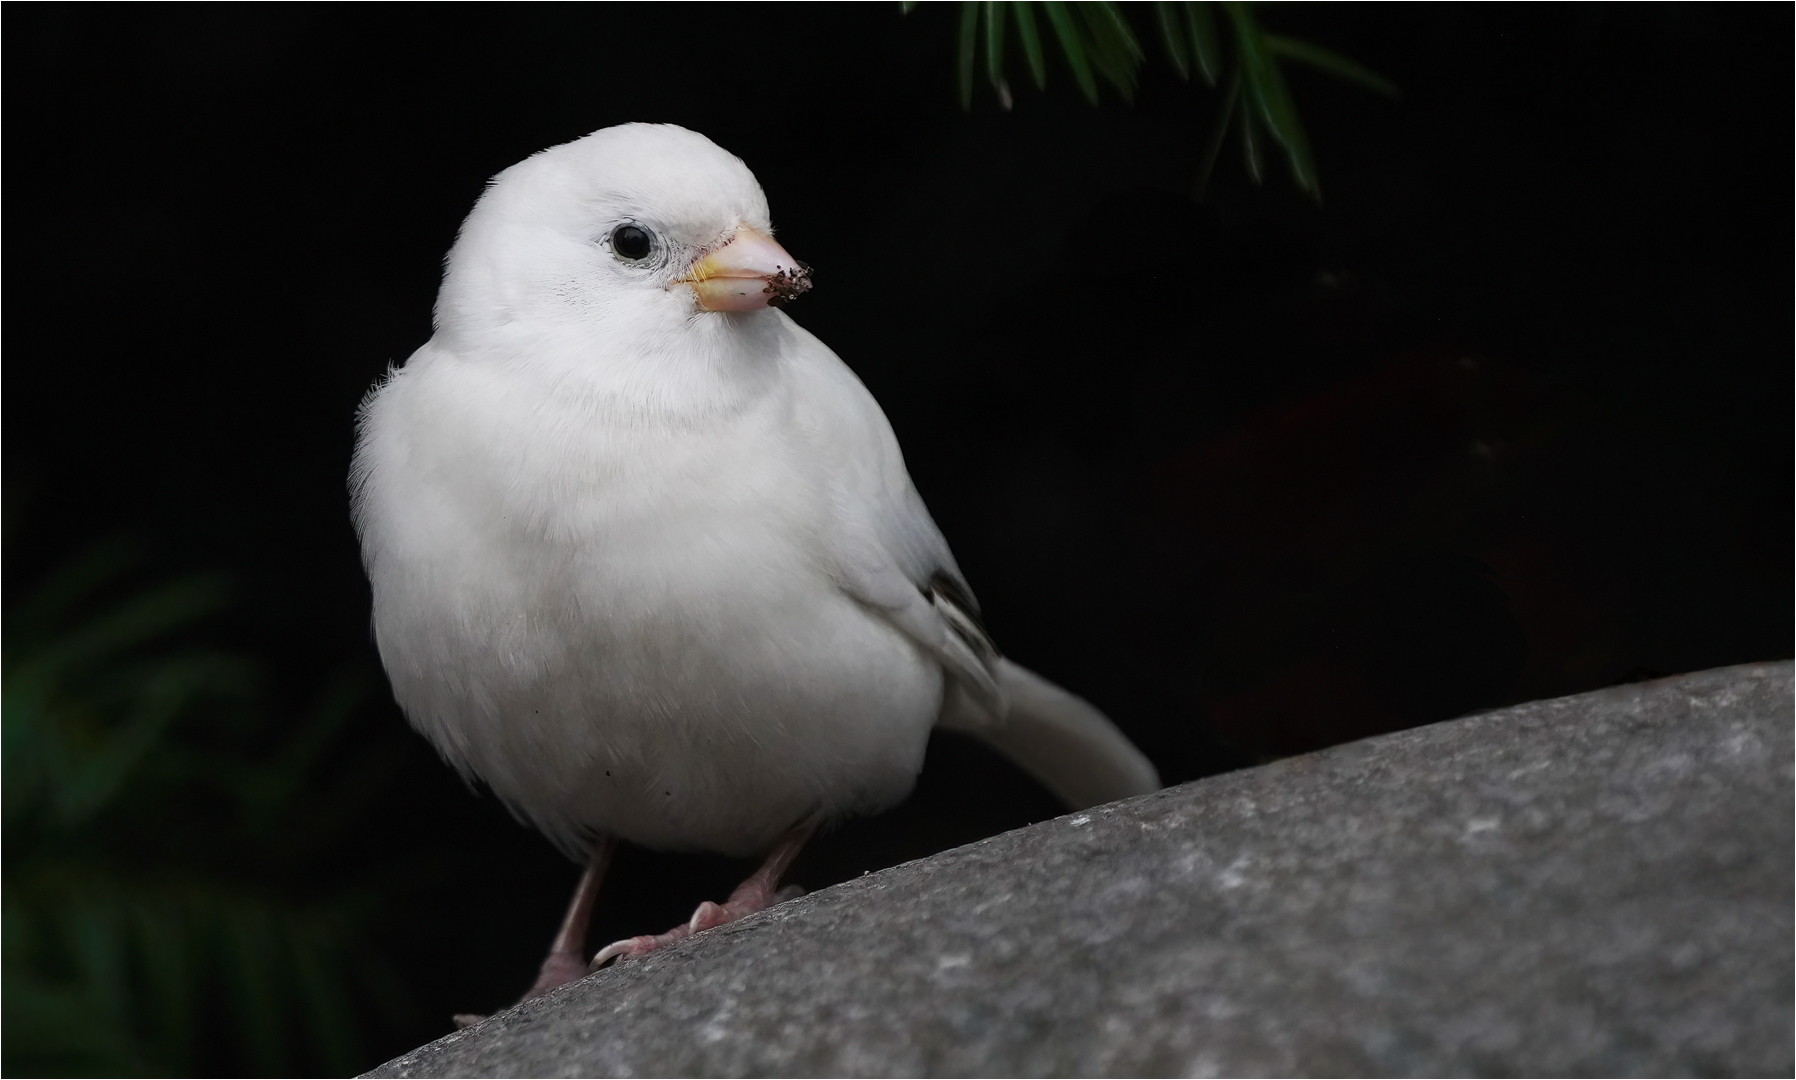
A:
<point x="644" y="554"/>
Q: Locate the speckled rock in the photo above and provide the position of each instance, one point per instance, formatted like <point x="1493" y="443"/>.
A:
<point x="1599" y="885"/>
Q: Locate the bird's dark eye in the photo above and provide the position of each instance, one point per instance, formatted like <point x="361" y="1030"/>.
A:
<point x="632" y="242"/>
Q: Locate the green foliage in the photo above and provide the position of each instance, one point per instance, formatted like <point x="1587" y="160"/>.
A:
<point x="1098" y="41"/>
<point x="166" y="827"/>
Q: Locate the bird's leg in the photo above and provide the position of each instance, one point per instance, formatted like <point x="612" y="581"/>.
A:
<point x="567" y="955"/>
<point x="761" y="890"/>
<point x="564" y="964"/>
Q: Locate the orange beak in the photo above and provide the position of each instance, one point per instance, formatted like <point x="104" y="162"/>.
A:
<point x="748" y="273"/>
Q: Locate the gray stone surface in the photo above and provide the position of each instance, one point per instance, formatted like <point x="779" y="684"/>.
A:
<point x="1599" y="885"/>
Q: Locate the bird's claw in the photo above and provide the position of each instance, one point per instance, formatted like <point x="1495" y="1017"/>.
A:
<point x="708" y="915"/>
<point x="631" y="948"/>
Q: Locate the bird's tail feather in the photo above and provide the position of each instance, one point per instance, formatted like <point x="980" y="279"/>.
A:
<point x="1061" y="740"/>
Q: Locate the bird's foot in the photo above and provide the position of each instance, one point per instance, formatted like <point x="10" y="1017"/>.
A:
<point x="560" y="967"/>
<point x="751" y="896"/>
<point x="563" y="965"/>
<point x="631" y="948"/>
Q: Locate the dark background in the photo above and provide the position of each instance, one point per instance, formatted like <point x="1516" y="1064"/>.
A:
<point x="1505" y="415"/>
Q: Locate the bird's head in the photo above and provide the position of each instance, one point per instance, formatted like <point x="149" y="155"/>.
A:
<point x="627" y="235"/>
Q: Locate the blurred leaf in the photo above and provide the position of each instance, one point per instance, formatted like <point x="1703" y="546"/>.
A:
<point x="1025" y="30"/>
<point x="1108" y="26"/>
<point x="1062" y="22"/>
<point x="1172" y="32"/>
<point x="1250" y="140"/>
<point x="132" y="622"/>
<point x="1204" y="44"/>
<point x="1097" y="40"/>
<point x="171" y="975"/>
<point x="1218" y="132"/>
<point x="1335" y="64"/>
<point x="1112" y="46"/>
<point x="87" y="784"/>
<point x="1266" y="91"/>
<point x="994" y="46"/>
<point x="969" y="31"/>
<point x="317" y="981"/>
<point x="256" y="1001"/>
<point x="163" y="816"/>
<point x="293" y="764"/>
<point x="70" y="583"/>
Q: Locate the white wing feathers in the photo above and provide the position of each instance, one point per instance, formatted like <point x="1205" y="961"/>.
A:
<point x="942" y="628"/>
<point x="1061" y="740"/>
<point x="890" y="556"/>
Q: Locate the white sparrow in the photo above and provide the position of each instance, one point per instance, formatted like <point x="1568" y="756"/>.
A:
<point x="644" y="554"/>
